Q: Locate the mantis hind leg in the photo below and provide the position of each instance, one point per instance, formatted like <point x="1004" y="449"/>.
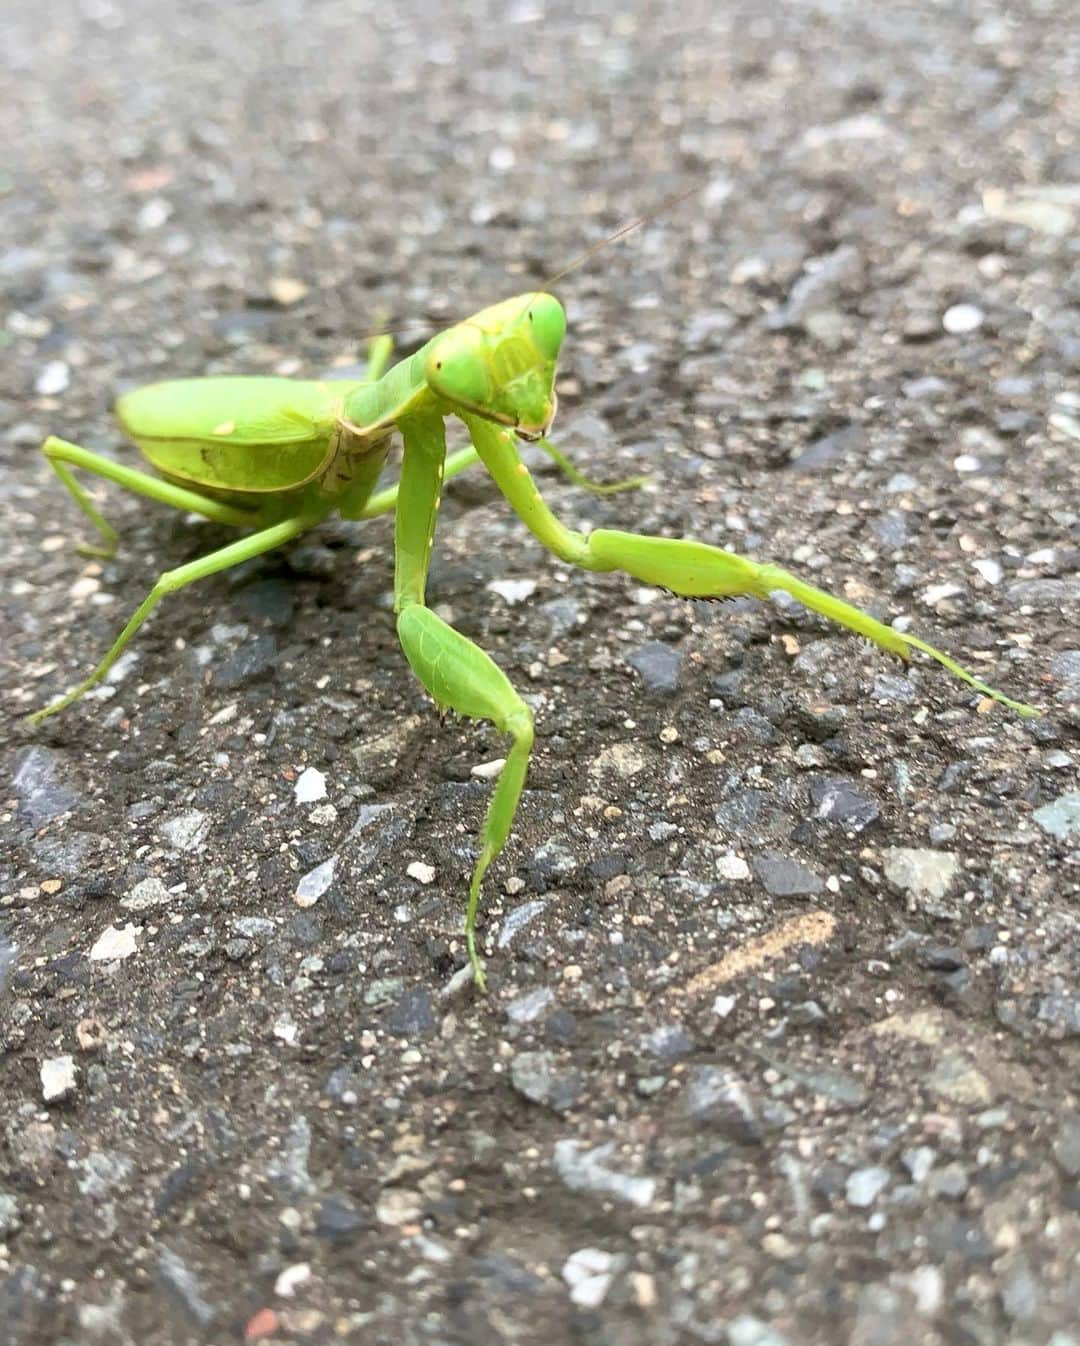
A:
<point x="456" y="672"/>
<point x="690" y="569"/>
<point x="171" y="580"/>
<point x="63" y="456"/>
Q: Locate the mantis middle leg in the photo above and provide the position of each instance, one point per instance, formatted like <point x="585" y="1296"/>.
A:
<point x="690" y="569"/>
<point x="456" y="672"/>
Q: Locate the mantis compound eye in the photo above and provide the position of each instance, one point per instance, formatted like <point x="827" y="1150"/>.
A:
<point x="547" y="322"/>
<point x="457" y="372"/>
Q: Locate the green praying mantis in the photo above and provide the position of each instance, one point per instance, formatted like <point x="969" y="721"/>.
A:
<point x="275" y="456"/>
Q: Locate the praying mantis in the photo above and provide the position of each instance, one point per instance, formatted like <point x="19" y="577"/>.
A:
<point x="275" y="456"/>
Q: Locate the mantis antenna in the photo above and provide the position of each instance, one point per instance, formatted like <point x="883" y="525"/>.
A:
<point x="659" y="209"/>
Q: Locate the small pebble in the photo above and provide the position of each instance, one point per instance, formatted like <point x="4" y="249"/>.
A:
<point x="9" y="1214"/>
<point x="989" y="569"/>
<point x="962" y="318"/>
<point x="289" y="1280"/>
<point x="864" y="1186"/>
<point x="937" y="593"/>
<point x="53" y="379"/>
<point x="413" y="1016"/>
<point x="263" y="1323"/>
<point x="529" y="1007"/>
<point x="114" y="944"/>
<point x="253" y="927"/>
<point x="310" y="786"/>
<point x="57" y="1078"/>
<point x="186" y="831"/>
<point x="732" y="868"/>
<point x="513" y="591"/>
<point x="90" y="1034"/>
<point x="950" y="1182"/>
<point x="1061" y="817"/>
<point x="518" y="919"/>
<point x="314" y="883"/>
<point x="488" y="770"/>
<point x="588" y="1273"/>
<point x="923" y="873"/>
<point x="538" y="1077"/>
<point x="918" y="1161"/>
<point x="154" y="213"/>
<point x="781" y="876"/>
<point x="149" y="892"/>
<point x="658" y="666"/>
<point x="746" y="1330"/>
<point x="397" y="1206"/>
<point x="286" y="290"/>
<point x="588" y="1170"/>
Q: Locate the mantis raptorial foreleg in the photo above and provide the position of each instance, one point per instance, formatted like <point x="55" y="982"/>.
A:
<point x="455" y="671"/>
<point x="168" y="582"/>
<point x="690" y="569"/>
<point x="63" y="456"/>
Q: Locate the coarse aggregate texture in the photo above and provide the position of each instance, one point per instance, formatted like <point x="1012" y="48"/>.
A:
<point x="782" y="1041"/>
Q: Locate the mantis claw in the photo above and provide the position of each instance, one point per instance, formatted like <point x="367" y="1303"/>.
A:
<point x="100" y="553"/>
<point x="615" y="487"/>
<point x="479" y="975"/>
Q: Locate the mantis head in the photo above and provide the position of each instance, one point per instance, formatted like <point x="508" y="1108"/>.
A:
<point x="500" y="364"/>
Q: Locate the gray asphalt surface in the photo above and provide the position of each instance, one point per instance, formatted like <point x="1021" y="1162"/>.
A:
<point x="781" y="1044"/>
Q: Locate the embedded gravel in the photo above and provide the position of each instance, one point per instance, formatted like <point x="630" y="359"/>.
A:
<point x="781" y="1046"/>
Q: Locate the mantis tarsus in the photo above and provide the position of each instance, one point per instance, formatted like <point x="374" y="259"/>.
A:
<point x="277" y="455"/>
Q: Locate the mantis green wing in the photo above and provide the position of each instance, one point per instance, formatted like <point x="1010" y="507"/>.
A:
<point x="235" y="434"/>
